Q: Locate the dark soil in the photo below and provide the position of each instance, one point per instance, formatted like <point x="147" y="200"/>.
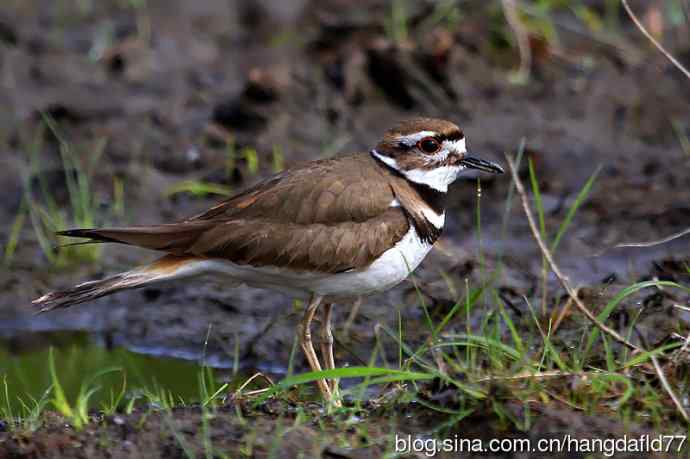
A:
<point x="273" y="431"/>
<point x="165" y="86"/>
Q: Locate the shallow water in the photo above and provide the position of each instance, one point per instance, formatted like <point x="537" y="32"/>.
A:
<point x="79" y="357"/>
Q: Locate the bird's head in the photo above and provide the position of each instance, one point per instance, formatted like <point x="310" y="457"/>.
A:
<point x="429" y="151"/>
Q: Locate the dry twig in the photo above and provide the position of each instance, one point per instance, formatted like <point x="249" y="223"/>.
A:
<point x="522" y="37"/>
<point x="571" y="292"/>
<point x="554" y="267"/>
<point x="653" y="40"/>
<point x="563" y="312"/>
<point x="537" y="375"/>
<point x="557" y="397"/>
<point x="664" y="381"/>
<point x="661" y="241"/>
<point x="250" y="393"/>
<point x="667" y="387"/>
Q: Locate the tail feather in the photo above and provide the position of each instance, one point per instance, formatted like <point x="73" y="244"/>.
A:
<point x="176" y="238"/>
<point x="90" y="290"/>
<point x="165" y="268"/>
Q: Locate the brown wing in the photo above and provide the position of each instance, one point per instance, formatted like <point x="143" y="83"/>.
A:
<point x="343" y="221"/>
<point x="350" y="188"/>
<point x="313" y="247"/>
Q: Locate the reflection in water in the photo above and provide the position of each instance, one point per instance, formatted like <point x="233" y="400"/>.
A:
<point x="80" y="357"/>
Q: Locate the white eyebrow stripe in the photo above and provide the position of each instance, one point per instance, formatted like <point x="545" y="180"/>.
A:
<point x="411" y="139"/>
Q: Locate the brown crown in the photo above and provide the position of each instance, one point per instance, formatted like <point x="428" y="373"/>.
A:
<point x="443" y="128"/>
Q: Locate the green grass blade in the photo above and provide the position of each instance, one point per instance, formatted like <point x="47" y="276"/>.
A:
<point x="386" y="374"/>
<point x="414" y="355"/>
<point x="483" y="342"/>
<point x="519" y="345"/>
<point x="581" y="197"/>
<point x="59" y="399"/>
<point x="644" y="356"/>
<point x="278" y="159"/>
<point x="352" y="372"/>
<point x="214" y="395"/>
<point x="13" y="238"/>
<point x="611" y="305"/>
<point x="615" y="377"/>
<point x="538" y="203"/>
<point x="7" y="412"/>
<point x="474" y="296"/>
<point x="252" y="157"/>
<point x="198" y="188"/>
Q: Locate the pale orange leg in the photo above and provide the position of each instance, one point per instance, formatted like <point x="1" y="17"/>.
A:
<point x="327" y="348"/>
<point x="308" y="347"/>
<point x="352" y="316"/>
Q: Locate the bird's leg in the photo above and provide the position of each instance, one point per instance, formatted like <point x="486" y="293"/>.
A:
<point x="327" y="347"/>
<point x="308" y="347"/>
<point x="352" y="316"/>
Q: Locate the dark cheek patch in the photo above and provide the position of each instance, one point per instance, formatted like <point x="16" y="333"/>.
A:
<point x="412" y="161"/>
<point x="452" y="160"/>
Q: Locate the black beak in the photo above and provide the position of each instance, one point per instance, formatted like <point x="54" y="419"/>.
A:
<point x="471" y="162"/>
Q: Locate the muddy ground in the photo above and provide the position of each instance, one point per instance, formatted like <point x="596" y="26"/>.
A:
<point x="164" y="86"/>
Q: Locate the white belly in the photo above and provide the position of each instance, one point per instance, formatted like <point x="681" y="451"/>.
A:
<point x="393" y="266"/>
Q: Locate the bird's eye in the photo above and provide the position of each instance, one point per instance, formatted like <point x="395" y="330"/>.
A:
<point x="429" y="145"/>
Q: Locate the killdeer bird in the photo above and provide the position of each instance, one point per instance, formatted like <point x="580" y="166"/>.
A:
<point x="331" y="230"/>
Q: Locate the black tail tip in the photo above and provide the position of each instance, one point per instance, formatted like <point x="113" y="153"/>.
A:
<point x="87" y="233"/>
<point x="74" y="233"/>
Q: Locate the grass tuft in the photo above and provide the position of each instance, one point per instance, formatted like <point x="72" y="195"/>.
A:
<point x="44" y="212"/>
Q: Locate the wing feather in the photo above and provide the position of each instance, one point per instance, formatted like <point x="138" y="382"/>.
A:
<point x="342" y="222"/>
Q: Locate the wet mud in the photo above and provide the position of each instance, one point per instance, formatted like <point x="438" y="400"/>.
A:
<point x="225" y="93"/>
